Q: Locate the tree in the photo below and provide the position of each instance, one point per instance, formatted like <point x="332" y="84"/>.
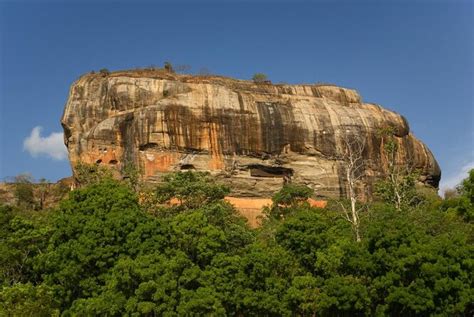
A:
<point x="89" y="234"/>
<point x="399" y="186"/>
<point x="462" y="203"/>
<point x="259" y="78"/>
<point x="420" y="263"/>
<point x="183" y="68"/>
<point x="28" y="300"/>
<point x="88" y="174"/>
<point x="466" y="187"/>
<point x="132" y="176"/>
<point x="323" y="244"/>
<point x="288" y="199"/>
<point x="204" y="71"/>
<point x="100" y="253"/>
<point x="24" y="192"/>
<point x="112" y="259"/>
<point x="169" y="67"/>
<point x="353" y="146"/>
<point x="191" y="189"/>
<point x="104" y="72"/>
<point x="43" y="190"/>
<point x="21" y="240"/>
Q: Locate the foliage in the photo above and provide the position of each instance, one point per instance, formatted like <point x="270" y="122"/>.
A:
<point x="399" y="188"/>
<point x="288" y="198"/>
<point x="402" y="193"/>
<point x="104" y="72"/>
<point x="89" y="232"/>
<point x="21" y="240"/>
<point x="191" y="189"/>
<point x="87" y="174"/>
<point x="101" y="253"/>
<point x="259" y="77"/>
<point x="168" y="67"/>
<point x="131" y="175"/>
<point x="28" y="300"/>
<point x="422" y="263"/>
<point x="24" y="193"/>
<point x="463" y="203"/>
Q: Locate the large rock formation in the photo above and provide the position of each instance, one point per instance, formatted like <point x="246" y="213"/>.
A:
<point x="252" y="136"/>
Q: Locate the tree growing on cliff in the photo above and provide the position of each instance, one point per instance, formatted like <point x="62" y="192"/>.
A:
<point x="399" y="186"/>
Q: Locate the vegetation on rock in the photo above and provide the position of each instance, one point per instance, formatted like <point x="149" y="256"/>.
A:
<point x="259" y="77"/>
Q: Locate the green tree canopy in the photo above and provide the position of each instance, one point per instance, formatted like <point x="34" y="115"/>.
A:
<point x="101" y="253"/>
<point x="463" y="203"/>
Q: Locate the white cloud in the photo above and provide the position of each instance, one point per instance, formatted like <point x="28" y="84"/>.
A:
<point x="453" y="180"/>
<point x="51" y="145"/>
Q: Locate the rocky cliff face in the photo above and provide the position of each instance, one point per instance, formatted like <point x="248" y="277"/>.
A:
<point x="252" y="136"/>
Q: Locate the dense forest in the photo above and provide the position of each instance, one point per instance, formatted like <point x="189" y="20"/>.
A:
<point x="111" y="249"/>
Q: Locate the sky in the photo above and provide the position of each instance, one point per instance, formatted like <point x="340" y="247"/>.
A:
<point x="413" y="57"/>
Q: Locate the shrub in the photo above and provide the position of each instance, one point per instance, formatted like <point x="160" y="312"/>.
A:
<point x="104" y="72"/>
<point x="168" y="67"/>
<point x="259" y="78"/>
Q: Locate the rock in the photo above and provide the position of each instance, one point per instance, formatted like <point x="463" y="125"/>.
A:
<point x="251" y="136"/>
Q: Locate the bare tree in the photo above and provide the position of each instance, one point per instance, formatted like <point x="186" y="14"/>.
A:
<point x="204" y="71"/>
<point x="353" y="145"/>
<point x="182" y="68"/>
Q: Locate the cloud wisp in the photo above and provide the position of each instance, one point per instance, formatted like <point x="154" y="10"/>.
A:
<point x="51" y="145"/>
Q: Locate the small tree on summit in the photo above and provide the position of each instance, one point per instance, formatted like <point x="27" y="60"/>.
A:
<point x="259" y="78"/>
<point x="168" y="67"/>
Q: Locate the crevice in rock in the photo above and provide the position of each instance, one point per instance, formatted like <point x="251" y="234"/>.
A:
<point x="258" y="170"/>
<point x="148" y="146"/>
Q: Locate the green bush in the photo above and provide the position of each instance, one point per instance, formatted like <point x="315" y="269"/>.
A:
<point x="259" y="78"/>
<point x="104" y="72"/>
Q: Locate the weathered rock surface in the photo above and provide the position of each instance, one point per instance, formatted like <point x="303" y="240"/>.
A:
<point x="252" y="136"/>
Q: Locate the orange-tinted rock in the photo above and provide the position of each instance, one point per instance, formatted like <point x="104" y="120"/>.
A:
<point x="253" y="137"/>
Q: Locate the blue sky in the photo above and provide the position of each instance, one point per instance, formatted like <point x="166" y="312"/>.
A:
<point x="414" y="57"/>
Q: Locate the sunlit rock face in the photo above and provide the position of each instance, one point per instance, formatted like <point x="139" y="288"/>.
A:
<point x="254" y="137"/>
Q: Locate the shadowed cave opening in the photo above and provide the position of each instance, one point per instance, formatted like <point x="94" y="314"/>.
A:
<point x="187" y="167"/>
<point x="144" y="147"/>
<point x="257" y="170"/>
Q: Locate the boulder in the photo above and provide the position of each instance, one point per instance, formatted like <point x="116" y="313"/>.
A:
<point x="252" y="136"/>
